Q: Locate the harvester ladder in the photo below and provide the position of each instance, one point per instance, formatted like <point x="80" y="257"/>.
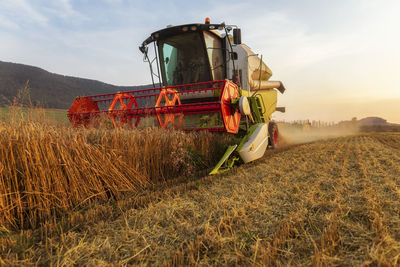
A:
<point x="260" y="109"/>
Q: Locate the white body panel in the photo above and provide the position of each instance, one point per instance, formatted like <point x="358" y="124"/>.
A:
<point x="248" y="64"/>
<point x="257" y="144"/>
<point x="241" y="64"/>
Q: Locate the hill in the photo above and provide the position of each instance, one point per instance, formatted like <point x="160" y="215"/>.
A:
<point x="48" y="89"/>
<point x="372" y="121"/>
<point x="376" y="124"/>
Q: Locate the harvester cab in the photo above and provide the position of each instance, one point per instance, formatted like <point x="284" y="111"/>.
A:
<point x="204" y="78"/>
<point x="194" y="53"/>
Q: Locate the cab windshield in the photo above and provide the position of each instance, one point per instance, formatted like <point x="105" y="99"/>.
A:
<point x="184" y="59"/>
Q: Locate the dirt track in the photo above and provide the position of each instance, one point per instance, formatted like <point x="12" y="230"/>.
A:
<point x="329" y="202"/>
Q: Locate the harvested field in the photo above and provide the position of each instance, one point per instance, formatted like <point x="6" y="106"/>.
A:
<point x="330" y="202"/>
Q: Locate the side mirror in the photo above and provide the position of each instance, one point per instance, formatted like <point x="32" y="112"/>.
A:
<point x="234" y="55"/>
<point x="237" y="36"/>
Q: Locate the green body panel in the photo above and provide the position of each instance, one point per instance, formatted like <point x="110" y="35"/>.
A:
<point x="268" y="99"/>
<point x="257" y="108"/>
<point x="225" y="161"/>
<point x="262" y="104"/>
<point x="244" y="92"/>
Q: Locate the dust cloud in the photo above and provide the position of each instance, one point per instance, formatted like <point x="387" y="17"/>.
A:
<point x="299" y="134"/>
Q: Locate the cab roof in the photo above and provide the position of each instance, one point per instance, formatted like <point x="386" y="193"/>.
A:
<point x="173" y="30"/>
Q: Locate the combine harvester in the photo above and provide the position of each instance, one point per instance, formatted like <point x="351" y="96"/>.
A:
<point x="207" y="80"/>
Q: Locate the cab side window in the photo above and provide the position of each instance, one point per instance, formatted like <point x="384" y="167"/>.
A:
<point x="215" y="55"/>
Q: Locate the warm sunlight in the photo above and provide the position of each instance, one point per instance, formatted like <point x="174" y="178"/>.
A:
<point x="342" y="52"/>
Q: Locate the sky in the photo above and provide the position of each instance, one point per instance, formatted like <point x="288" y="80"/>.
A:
<point x="337" y="59"/>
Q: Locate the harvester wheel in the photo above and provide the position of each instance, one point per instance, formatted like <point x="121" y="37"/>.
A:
<point x="273" y="135"/>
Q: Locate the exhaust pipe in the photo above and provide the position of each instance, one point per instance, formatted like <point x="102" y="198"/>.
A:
<point x="266" y="85"/>
<point x="281" y="109"/>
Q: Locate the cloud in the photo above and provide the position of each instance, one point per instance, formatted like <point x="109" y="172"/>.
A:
<point x="113" y="2"/>
<point x="8" y="24"/>
<point x="22" y="10"/>
<point x="320" y="50"/>
<point x="63" y="9"/>
<point x="285" y="41"/>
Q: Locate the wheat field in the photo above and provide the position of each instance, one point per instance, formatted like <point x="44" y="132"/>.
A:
<point x="47" y="169"/>
<point x="329" y="202"/>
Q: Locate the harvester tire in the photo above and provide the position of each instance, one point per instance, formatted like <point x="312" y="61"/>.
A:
<point x="273" y="135"/>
